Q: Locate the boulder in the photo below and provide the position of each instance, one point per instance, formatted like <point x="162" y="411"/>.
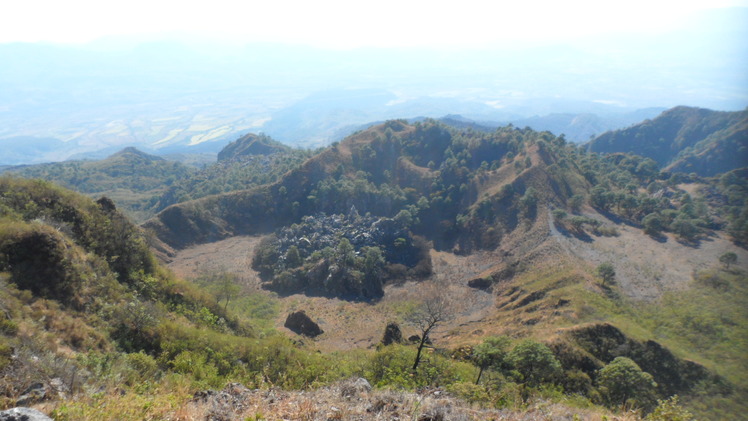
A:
<point x="392" y="334"/>
<point x="354" y="387"/>
<point x="23" y="414"/>
<point x="300" y="323"/>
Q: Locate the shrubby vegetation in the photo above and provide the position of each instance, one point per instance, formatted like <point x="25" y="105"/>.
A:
<point x="161" y="340"/>
<point x="131" y="177"/>
<point x="622" y="382"/>
<point x="733" y="187"/>
<point x="143" y="184"/>
<point x="82" y="269"/>
<point x="230" y="174"/>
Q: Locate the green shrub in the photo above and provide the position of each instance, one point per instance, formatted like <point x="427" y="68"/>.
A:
<point x="470" y="392"/>
<point x="143" y="367"/>
<point x="622" y="382"/>
<point x="198" y="367"/>
<point x="391" y="366"/>
<point x="8" y="327"/>
<point x="669" y="410"/>
<point x="6" y="352"/>
<point x="534" y="363"/>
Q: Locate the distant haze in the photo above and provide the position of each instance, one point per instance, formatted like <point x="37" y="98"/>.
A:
<point x="344" y="24"/>
<point x="164" y="76"/>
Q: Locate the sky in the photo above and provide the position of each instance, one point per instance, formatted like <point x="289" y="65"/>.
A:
<point x="345" y="24"/>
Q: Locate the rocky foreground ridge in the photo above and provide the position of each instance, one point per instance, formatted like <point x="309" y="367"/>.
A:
<point x="354" y="399"/>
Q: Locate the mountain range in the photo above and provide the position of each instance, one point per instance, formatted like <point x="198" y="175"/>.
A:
<point x="172" y="96"/>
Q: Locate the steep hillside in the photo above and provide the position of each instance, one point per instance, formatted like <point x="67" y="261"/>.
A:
<point x="685" y="139"/>
<point x="127" y="169"/>
<point x="78" y="282"/>
<point x="425" y="169"/>
<point x="92" y="328"/>
<point x="250" y="161"/>
<point x="719" y="152"/>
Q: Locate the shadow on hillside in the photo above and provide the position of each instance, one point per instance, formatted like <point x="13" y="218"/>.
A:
<point x="315" y="292"/>
<point x="618" y="220"/>
<point x="609" y="291"/>
<point x="580" y="235"/>
<point x="692" y="243"/>
<point x="659" y="237"/>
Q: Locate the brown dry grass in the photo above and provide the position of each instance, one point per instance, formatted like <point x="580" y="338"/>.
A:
<point x="645" y="267"/>
<point x="338" y="403"/>
<point x="347" y="324"/>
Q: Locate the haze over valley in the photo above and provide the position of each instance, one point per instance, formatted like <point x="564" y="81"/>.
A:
<point x="182" y="94"/>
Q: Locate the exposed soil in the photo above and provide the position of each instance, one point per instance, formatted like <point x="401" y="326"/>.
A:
<point x="231" y="255"/>
<point x="647" y="267"/>
<point x="355" y="324"/>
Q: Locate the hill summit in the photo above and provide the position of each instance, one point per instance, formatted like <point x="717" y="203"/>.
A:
<point x="132" y="153"/>
<point x="251" y="144"/>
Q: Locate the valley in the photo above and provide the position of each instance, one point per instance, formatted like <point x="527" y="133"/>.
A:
<point x="348" y="325"/>
<point x="481" y="248"/>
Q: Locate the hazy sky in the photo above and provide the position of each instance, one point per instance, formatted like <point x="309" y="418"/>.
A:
<point x="344" y="23"/>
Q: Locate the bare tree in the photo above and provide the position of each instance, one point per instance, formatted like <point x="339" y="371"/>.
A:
<point x="227" y="288"/>
<point x="222" y="284"/>
<point x="434" y="310"/>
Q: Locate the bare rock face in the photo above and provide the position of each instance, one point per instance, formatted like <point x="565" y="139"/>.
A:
<point x="300" y="323"/>
<point x="23" y="414"/>
<point x="392" y="334"/>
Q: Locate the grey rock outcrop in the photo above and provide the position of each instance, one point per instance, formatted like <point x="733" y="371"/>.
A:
<point x="354" y="387"/>
<point x="23" y="414"/>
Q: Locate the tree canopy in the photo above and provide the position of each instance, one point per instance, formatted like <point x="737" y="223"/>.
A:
<point x="623" y="382"/>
